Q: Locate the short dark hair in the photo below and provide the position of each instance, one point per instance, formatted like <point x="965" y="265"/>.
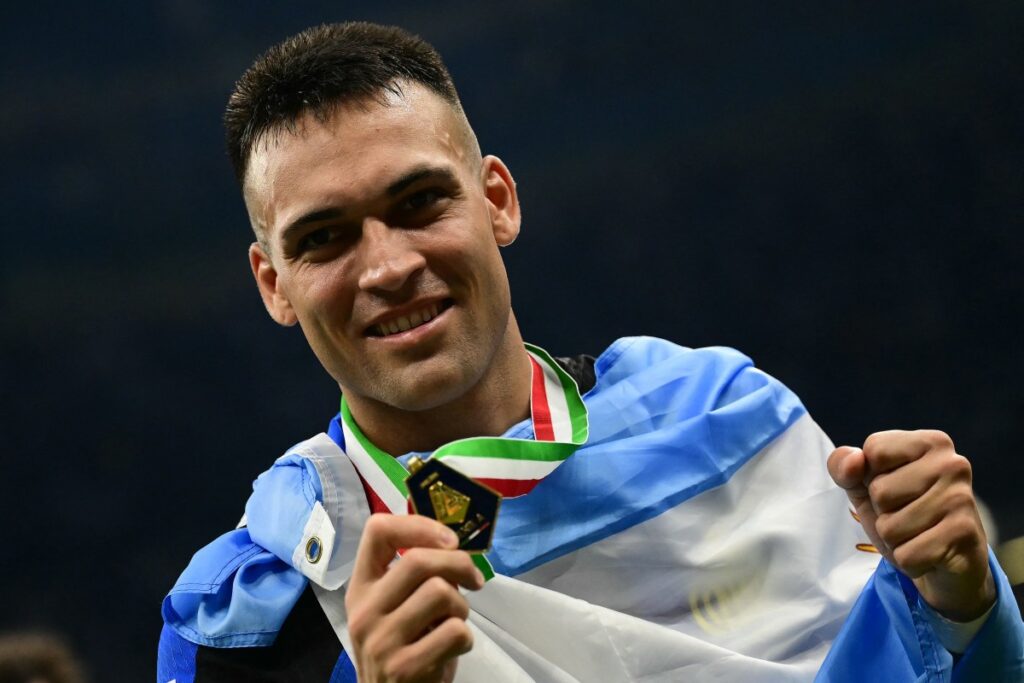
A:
<point x="26" y="657"/>
<point x="320" y="68"/>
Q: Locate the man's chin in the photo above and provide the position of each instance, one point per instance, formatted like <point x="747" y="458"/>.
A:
<point x="424" y="385"/>
<point x="425" y="396"/>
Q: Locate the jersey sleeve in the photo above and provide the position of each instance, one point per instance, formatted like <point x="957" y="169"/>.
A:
<point x="888" y="631"/>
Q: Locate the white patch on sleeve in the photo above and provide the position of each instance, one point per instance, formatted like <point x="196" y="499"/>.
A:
<point x="337" y="522"/>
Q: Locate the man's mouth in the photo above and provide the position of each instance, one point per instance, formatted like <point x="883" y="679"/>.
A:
<point x="411" y="320"/>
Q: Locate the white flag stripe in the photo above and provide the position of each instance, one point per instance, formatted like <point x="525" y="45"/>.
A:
<point x="373" y="474"/>
<point x="558" y="405"/>
<point x="501" y="468"/>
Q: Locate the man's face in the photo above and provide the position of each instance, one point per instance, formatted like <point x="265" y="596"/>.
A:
<point x="383" y="232"/>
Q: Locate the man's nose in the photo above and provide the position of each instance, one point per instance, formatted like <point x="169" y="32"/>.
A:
<point x="389" y="260"/>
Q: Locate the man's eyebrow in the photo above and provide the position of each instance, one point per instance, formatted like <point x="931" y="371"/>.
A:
<point x="442" y="173"/>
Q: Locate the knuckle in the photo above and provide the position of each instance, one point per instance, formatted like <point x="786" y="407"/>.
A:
<point x="873" y="443"/>
<point x="959" y="498"/>
<point x="396" y="669"/>
<point x="460" y="607"/>
<point x="375" y="648"/>
<point x="878" y="491"/>
<point x="962" y="528"/>
<point x="907" y="560"/>
<point x="376" y="524"/>
<point x="960" y="467"/>
<point x="881" y="439"/>
<point x="376" y="520"/>
<point x="358" y="622"/>
<point x="416" y="561"/>
<point x="462" y="637"/>
<point x="437" y="588"/>
<point x="935" y="438"/>
<point x="884" y="527"/>
<point x="466" y="642"/>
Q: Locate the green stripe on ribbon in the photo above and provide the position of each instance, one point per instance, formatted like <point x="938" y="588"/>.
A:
<point x="484" y="565"/>
<point x="391" y="468"/>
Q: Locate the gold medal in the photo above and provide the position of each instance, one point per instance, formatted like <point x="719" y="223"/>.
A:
<point x="465" y="506"/>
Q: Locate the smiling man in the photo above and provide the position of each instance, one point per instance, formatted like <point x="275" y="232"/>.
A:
<point x="670" y="514"/>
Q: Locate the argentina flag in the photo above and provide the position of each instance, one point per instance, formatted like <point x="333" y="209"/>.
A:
<point x="695" y="536"/>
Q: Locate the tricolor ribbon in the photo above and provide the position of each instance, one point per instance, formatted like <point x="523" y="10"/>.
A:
<point x="512" y="467"/>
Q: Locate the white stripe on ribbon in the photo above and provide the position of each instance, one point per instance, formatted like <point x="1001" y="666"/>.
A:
<point x="374" y="475"/>
<point x="558" y="404"/>
<point x="501" y="468"/>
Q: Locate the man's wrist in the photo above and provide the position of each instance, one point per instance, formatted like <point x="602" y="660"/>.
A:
<point x="955" y="636"/>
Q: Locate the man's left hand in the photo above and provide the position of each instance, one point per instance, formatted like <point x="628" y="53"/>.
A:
<point x="912" y="492"/>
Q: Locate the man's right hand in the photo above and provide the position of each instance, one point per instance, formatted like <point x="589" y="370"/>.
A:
<point x="407" y="619"/>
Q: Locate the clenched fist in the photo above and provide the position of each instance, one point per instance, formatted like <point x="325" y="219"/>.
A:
<point x="913" y="494"/>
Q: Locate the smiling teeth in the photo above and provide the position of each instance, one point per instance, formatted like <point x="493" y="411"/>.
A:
<point x="404" y="323"/>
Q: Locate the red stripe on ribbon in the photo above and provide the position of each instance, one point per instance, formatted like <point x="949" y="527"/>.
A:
<point x="542" y="427"/>
<point x="377" y="504"/>
<point x="375" y="501"/>
<point x="510" y="488"/>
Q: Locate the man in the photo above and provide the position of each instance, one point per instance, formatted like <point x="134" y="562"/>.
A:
<point x="668" y="515"/>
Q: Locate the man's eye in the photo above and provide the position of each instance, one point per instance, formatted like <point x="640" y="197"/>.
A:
<point x="421" y="200"/>
<point x="317" y="238"/>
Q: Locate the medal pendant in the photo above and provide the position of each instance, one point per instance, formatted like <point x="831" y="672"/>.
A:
<point x="466" y="507"/>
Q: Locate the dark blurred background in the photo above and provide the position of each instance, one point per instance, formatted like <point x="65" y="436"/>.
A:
<point x="837" y="191"/>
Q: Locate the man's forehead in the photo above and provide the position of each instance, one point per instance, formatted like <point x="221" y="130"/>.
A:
<point x="362" y="144"/>
<point x="410" y="115"/>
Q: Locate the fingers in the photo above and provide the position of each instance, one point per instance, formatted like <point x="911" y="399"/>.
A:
<point x="407" y="618"/>
<point x="432" y="603"/>
<point x="416" y="566"/>
<point x="892" y="466"/>
<point x="432" y="652"/>
<point x="897" y="488"/>
<point x="902" y="524"/>
<point x="950" y="543"/>
<point x="887" y="451"/>
<point x="919" y="496"/>
<point x="385" y="534"/>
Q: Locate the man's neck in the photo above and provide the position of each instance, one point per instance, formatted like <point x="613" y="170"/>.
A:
<point x="500" y="399"/>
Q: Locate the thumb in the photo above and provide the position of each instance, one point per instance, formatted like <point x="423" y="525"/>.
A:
<point x="847" y="466"/>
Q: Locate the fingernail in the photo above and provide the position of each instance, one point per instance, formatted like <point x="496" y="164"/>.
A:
<point x="479" y="578"/>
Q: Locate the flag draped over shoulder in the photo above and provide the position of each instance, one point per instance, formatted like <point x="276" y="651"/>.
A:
<point x="695" y="536"/>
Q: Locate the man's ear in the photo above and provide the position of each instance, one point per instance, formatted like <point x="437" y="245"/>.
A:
<point x="278" y="306"/>
<point x="502" y="200"/>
